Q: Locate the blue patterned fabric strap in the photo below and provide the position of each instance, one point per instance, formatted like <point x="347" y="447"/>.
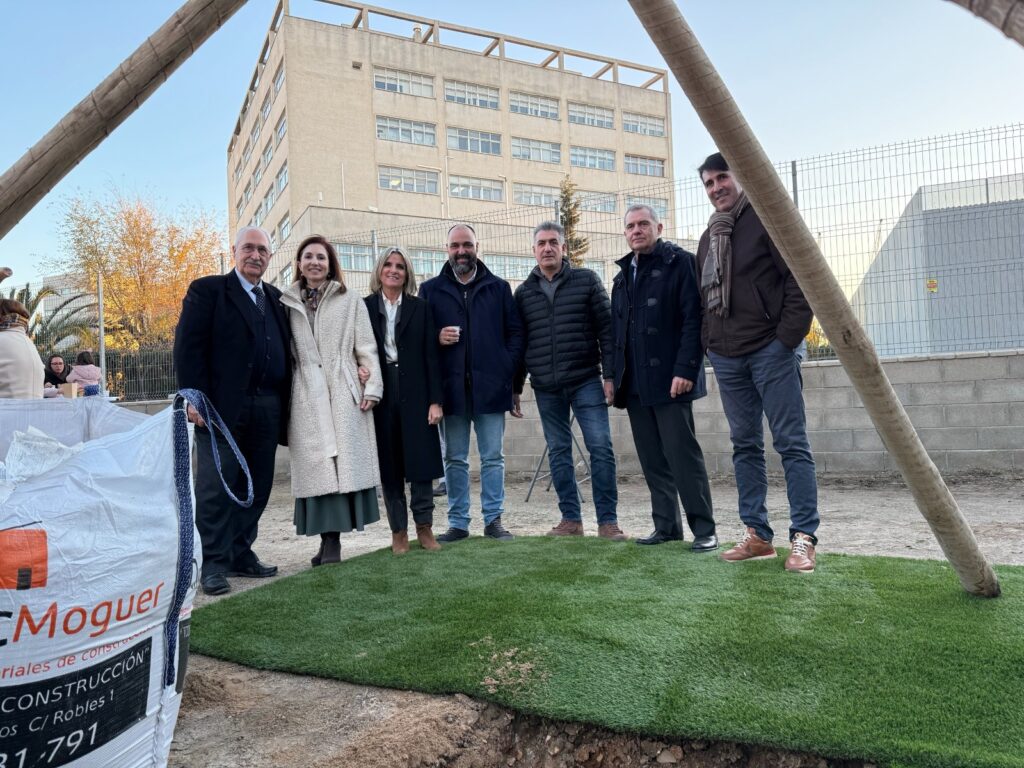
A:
<point x="186" y="520"/>
<point x="198" y="400"/>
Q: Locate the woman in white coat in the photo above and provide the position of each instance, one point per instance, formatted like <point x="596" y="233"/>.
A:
<point x="330" y="433"/>
<point x="21" y="368"/>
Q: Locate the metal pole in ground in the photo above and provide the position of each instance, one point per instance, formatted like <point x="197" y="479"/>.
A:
<point x="102" y="329"/>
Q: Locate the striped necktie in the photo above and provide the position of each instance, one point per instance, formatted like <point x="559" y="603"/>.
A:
<point x="261" y="299"/>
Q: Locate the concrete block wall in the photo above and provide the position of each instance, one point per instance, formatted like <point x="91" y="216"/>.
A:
<point x="967" y="407"/>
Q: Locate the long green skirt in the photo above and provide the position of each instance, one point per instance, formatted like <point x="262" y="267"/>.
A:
<point x="336" y="512"/>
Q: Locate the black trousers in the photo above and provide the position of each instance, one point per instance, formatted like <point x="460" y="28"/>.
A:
<point x="393" y="486"/>
<point x="226" y="529"/>
<point x="673" y="466"/>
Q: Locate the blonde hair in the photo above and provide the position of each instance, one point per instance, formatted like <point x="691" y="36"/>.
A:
<point x="410" y="273"/>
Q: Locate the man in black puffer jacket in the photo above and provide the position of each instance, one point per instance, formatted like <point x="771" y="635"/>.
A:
<point x="568" y="325"/>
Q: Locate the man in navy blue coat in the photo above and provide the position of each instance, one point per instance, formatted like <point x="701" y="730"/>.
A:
<point x="481" y="342"/>
<point x="659" y="372"/>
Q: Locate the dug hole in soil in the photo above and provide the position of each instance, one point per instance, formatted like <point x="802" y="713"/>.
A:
<point x="235" y="717"/>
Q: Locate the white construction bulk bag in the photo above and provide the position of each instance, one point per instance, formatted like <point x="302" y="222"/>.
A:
<point x="99" y="561"/>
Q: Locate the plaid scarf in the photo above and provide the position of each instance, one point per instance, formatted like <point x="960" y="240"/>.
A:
<point x="13" y="320"/>
<point x="716" y="274"/>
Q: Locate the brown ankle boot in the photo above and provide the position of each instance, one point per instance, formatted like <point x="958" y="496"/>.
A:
<point x="400" y="542"/>
<point x="425" y="535"/>
<point x="332" y="548"/>
<point x="318" y="557"/>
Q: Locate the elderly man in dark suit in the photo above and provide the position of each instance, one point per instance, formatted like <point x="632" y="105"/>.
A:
<point x="232" y="343"/>
<point x="659" y="372"/>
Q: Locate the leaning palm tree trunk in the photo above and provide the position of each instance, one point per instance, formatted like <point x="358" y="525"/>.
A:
<point x="720" y="115"/>
<point x="1005" y="15"/>
<point x="110" y="103"/>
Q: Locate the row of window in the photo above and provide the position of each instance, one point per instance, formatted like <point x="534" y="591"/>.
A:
<point x="535" y="105"/>
<point x="487" y="143"/>
<point x="261" y="119"/>
<point x="470" y="188"/>
<point x="279" y="234"/>
<point x="269" y="199"/>
<point x="428" y="262"/>
<point x="263" y="161"/>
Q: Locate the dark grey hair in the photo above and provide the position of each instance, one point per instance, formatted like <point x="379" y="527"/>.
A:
<point x="550" y="226"/>
<point x="641" y="207"/>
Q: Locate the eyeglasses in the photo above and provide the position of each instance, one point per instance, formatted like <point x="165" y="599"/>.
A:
<point x="261" y="249"/>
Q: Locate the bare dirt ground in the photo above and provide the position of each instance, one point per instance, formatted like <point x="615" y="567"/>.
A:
<point x="235" y="717"/>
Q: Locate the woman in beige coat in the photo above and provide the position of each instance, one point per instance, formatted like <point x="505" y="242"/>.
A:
<point x="330" y="433"/>
<point x="21" y="368"/>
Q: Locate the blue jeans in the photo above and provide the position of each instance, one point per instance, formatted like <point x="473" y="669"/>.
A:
<point x="591" y="411"/>
<point x="768" y="382"/>
<point x="490" y="432"/>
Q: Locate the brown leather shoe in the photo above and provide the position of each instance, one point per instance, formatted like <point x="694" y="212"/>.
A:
<point x="400" y="542"/>
<point x="801" y="556"/>
<point x="612" y="532"/>
<point x="425" y="536"/>
<point x="567" y="528"/>
<point x="332" y="548"/>
<point x="750" y="547"/>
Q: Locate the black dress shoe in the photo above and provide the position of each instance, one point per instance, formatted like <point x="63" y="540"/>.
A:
<point x="704" y="543"/>
<point x="255" y="570"/>
<point x="215" y="584"/>
<point x="657" y="537"/>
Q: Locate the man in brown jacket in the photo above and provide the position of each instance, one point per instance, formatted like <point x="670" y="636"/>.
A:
<point x="755" y="318"/>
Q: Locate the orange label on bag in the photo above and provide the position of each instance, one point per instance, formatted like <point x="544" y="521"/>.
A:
<point x="23" y="559"/>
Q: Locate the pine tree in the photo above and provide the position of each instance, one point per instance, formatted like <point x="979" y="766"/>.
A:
<point x="569" y="211"/>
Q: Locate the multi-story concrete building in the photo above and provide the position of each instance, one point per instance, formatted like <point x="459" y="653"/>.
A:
<point x="345" y="128"/>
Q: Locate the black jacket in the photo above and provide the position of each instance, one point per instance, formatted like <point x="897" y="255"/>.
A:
<point x="490" y="349"/>
<point x="765" y="302"/>
<point x="213" y="344"/>
<point x="665" y="309"/>
<point x="569" y="340"/>
<point x="419" y="385"/>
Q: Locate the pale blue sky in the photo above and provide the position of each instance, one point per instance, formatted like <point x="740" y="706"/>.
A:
<point x="811" y="78"/>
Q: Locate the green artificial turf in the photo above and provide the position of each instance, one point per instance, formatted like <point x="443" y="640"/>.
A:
<point x="877" y="658"/>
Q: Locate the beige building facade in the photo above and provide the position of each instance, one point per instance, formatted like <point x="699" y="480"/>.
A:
<point x="380" y="130"/>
